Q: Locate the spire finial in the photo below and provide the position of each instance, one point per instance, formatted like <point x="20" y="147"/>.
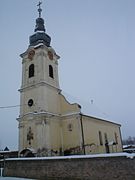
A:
<point x="40" y="36"/>
<point x="39" y="8"/>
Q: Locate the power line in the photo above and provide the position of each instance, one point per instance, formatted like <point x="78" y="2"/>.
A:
<point x="7" y="107"/>
<point x="13" y="106"/>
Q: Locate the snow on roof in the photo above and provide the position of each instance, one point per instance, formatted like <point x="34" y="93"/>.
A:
<point x="39" y="44"/>
<point x="127" y="146"/>
<point x="131" y="156"/>
<point x="8" y="151"/>
<point x="4" y="151"/>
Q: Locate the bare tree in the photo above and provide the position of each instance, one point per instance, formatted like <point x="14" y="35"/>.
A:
<point x="129" y="141"/>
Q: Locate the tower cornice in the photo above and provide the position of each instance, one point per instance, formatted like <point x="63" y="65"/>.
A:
<point x="42" y="83"/>
<point x="42" y="46"/>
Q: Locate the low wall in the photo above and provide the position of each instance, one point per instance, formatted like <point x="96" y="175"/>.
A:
<point x="98" y="167"/>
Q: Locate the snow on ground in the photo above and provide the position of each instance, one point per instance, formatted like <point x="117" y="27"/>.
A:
<point x="132" y="155"/>
<point x="12" y="178"/>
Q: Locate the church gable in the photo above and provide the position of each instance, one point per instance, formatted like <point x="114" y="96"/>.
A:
<point x="67" y="108"/>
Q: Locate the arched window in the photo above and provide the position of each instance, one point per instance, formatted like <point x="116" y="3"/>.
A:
<point x="51" y="71"/>
<point x="106" y="139"/>
<point x="100" y="138"/>
<point x="116" y="138"/>
<point x="31" y="70"/>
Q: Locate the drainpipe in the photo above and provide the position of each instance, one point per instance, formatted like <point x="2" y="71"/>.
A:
<point x="83" y="142"/>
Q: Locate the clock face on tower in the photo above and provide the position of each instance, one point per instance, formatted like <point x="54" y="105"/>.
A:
<point x="50" y="55"/>
<point x="30" y="102"/>
<point x="31" y="54"/>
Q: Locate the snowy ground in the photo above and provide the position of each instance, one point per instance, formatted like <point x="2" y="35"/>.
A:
<point x="12" y="178"/>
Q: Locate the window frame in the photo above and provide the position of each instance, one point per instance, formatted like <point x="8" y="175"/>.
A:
<point x="31" y="70"/>
<point x="116" y="138"/>
<point x="100" y="138"/>
<point x="51" y="72"/>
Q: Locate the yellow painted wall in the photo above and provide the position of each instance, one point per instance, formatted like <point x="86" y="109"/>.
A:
<point x="71" y="135"/>
<point x="66" y="107"/>
<point x="91" y="128"/>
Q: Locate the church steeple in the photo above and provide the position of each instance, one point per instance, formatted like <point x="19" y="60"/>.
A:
<point x="39" y="21"/>
<point x="39" y="93"/>
<point x="40" y="36"/>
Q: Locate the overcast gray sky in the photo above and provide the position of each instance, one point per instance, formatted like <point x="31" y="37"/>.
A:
<point x="96" y="42"/>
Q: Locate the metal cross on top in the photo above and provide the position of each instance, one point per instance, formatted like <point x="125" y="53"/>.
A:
<point x="39" y="9"/>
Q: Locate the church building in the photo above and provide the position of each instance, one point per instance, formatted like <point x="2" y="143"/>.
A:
<point x="49" y="125"/>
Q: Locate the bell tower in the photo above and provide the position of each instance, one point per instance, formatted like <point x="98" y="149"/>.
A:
<point x="39" y="92"/>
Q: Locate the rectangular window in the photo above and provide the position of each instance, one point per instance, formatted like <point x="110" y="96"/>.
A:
<point x="106" y="139"/>
<point x="100" y="138"/>
<point x="31" y="70"/>
<point x="116" y="138"/>
<point x="51" y="71"/>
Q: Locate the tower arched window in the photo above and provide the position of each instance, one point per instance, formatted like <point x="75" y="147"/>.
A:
<point x="51" y="71"/>
<point x="31" y="70"/>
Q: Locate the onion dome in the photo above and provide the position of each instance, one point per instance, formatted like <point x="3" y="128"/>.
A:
<point x="40" y="36"/>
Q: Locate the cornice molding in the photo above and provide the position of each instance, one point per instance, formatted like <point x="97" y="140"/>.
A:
<point x="42" y="83"/>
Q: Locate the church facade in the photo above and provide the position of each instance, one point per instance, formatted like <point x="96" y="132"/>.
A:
<point x="48" y="124"/>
